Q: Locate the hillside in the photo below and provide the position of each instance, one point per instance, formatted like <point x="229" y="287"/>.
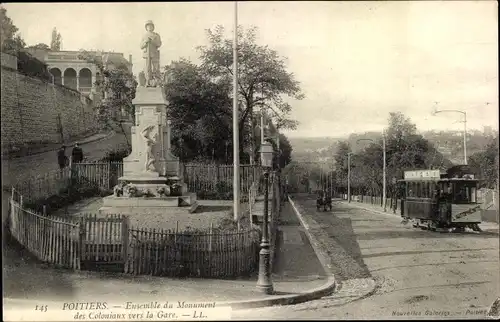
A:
<point x="449" y="143"/>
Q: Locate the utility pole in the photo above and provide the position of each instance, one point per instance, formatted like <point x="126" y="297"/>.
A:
<point x="349" y="176"/>
<point x="236" y="138"/>
<point x="384" y="179"/>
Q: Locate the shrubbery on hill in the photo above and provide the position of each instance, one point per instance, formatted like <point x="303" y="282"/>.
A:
<point x="30" y="66"/>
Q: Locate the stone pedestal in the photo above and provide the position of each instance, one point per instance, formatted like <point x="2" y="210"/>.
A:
<point x="153" y="187"/>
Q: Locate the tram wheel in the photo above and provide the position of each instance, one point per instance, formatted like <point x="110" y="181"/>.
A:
<point x="475" y="227"/>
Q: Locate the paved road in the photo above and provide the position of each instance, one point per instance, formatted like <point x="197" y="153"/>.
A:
<point x="418" y="274"/>
<point x="19" y="169"/>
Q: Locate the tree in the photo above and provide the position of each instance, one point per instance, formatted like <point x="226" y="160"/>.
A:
<point x="119" y="85"/>
<point x="485" y="164"/>
<point x="200" y="111"/>
<point x="341" y="162"/>
<point x="56" y="40"/>
<point x="262" y="76"/>
<point x="12" y="42"/>
<point x="40" y="46"/>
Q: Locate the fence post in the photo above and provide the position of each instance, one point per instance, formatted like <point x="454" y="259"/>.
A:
<point x="125" y="241"/>
<point x="109" y="175"/>
<point x="81" y="243"/>
<point x="210" y="238"/>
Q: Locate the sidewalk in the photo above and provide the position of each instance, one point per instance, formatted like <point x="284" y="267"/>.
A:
<point x="298" y="273"/>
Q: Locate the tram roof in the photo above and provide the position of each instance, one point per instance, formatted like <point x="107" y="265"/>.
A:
<point x="436" y="179"/>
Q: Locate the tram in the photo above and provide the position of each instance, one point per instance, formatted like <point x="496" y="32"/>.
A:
<point x="437" y="200"/>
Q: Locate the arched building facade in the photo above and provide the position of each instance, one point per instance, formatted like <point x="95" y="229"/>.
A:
<point x="71" y="71"/>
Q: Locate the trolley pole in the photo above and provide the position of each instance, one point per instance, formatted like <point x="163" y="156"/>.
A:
<point x="465" y="127"/>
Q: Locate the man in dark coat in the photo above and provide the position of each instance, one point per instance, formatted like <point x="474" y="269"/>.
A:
<point x="61" y="157"/>
<point x="77" y="154"/>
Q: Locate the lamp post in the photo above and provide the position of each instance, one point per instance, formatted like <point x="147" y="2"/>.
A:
<point x="264" y="282"/>
<point x="465" y="128"/>
<point x="384" y="170"/>
<point x="349" y="176"/>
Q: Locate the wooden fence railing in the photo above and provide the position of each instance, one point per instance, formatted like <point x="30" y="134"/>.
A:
<point x="104" y="237"/>
<point x="216" y="177"/>
<point x="159" y="252"/>
<point x="45" y="185"/>
<point x="51" y="239"/>
<point x="88" y="239"/>
<point x="101" y="174"/>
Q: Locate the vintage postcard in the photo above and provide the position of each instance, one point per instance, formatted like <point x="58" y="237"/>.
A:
<point x="247" y="160"/>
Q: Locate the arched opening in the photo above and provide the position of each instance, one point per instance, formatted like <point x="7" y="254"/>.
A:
<point x="56" y="72"/>
<point x="70" y="78"/>
<point x="85" y="81"/>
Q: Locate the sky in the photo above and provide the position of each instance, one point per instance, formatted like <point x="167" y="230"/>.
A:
<point x="356" y="61"/>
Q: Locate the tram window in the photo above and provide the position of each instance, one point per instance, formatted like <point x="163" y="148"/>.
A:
<point x="411" y="189"/>
<point x="425" y="189"/>
<point x="473" y="195"/>
<point x="464" y="193"/>
<point x="432" y="189"/>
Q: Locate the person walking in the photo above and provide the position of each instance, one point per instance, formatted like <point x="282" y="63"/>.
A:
<point x="77" y="154"/>
<point x="62" y="159"/>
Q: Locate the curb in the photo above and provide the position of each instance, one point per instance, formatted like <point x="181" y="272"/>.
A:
<point x="313" y="294"/>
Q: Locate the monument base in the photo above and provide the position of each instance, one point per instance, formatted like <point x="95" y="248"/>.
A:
<point x="151" y="182"/>
<point x="148" y="205"/>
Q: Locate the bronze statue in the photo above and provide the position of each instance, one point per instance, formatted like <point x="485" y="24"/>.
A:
<point x="150" y="43"/>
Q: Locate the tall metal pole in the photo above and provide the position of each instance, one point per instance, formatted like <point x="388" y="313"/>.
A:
<point x="349" y="177"/>
<point x="465" y="138"/>
<point x="236" y="138"/>
<point x="384" y="178"/>
<point x="262" y="125"/>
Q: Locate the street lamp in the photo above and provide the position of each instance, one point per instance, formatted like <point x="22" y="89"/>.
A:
<point x="465" y="128"/>
<point x="384" y="171"/>
<point x="264" y="282"/>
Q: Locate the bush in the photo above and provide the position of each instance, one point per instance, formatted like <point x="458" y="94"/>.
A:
<point x="30" y="66"/>
<point x="116" y="155"/>
<point x="65" y="197"/>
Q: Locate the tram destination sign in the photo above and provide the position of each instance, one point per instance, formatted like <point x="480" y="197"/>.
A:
<point x="422" y="174"/>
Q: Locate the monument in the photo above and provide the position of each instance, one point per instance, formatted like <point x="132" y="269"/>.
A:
<point x="151" y="178"/>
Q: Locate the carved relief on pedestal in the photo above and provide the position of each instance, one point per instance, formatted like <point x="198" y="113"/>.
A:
<point x="149" y="141"/>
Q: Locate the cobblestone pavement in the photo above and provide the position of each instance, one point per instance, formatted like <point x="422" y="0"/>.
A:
<point x="388" y="270"/>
